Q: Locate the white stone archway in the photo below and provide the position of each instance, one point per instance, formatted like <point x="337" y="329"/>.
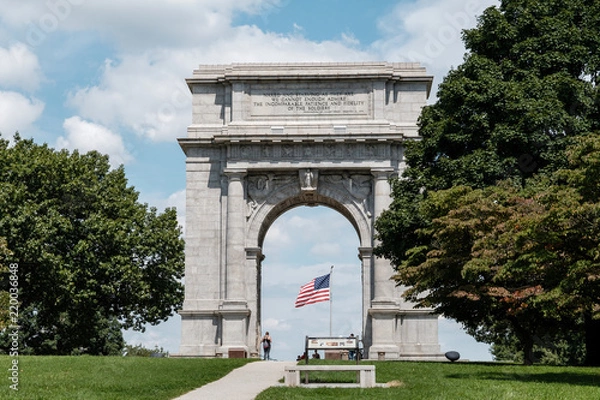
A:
<point x="269" y="137"/>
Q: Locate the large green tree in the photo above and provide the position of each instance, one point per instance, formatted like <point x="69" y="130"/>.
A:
<point x="92" y="259"/>
<point x="515" y="260"/>
<point x="528" y="85"/>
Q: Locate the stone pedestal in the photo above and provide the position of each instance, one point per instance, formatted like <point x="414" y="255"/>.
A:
<point x="383" y="314"/>
<point x="233" y="319"/>
<point x="196" y="329"/>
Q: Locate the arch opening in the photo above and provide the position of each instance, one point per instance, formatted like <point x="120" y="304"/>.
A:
<point x="291" y="203"/>
<point x="300" y="244"/>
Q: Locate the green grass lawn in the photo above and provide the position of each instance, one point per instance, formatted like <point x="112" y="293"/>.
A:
<point x="123" y="378"/>
<point x="460" y="381"/>
<point x="107" y="378"/>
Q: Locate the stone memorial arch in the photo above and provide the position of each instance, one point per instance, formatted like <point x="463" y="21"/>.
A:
<point x="266" y="138"/>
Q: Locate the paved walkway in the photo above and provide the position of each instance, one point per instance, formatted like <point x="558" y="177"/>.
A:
<point x="244" y="383"/>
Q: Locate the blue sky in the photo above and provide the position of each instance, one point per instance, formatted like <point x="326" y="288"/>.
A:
<point x="109" y="75"/>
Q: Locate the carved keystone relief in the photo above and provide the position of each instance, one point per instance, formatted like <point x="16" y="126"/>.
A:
<point x="356" y="187"/>
<point x="309" y="179"/>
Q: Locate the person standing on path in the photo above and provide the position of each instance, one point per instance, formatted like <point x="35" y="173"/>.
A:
<point x="266" y="342"/>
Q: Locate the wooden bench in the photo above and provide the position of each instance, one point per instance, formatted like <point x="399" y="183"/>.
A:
<point x="365" y="373"/>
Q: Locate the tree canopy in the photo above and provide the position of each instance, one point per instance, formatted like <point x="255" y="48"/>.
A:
<point x="472" y="219"/>
<point x="528" y="83"/>
<point x="92" y="259"/>
<point x="508" y="111"/>
<point x="508" y="259"/>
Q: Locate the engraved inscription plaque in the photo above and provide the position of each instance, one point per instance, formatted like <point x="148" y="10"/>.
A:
<point x="343" y="101"/>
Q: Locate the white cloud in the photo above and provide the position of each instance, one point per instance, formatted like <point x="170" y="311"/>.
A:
<point x="156" y="103"/>
<point x="279" y="235"/>
<point x="279" y="325"/>
<point x="176" y="200"/>
<point x="310" y="240"/>
<point x="19" y="68"/>
<point x="86" y="136"/>
<point x="133" y="24"/>
<point x="350" y="40"/>
<point x="298" y="29"/>
<point x="429" y="32"/>
<point x="142" y="88"/>
<point x="326" y="249"/>
<point x="18" y="113"/>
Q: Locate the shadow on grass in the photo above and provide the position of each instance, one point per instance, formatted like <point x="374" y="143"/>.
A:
<point x="569" y="378"/>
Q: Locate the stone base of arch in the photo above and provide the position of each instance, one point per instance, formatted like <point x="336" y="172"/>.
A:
<point x="403" y="334"/>
<point x="199" y="331"/>
<point x="396" y="334"/>
<point x="214" y="333"/>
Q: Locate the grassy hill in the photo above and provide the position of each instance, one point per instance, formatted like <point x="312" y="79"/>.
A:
<point x="108" y="378"/>
<point x="460" y="381"/>
<point x="124" y="378"/>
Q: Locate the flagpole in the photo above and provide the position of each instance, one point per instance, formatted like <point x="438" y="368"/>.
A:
<point x="330" y="302"/>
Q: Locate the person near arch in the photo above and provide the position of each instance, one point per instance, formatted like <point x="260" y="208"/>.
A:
<point x="266" y="342"/>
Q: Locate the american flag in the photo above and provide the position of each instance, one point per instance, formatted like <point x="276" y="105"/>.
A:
<point x="314" y="291"/>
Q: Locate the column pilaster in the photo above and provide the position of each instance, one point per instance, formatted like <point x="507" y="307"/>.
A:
<point x="384" y="305"/>
<point x="382" y="270"/>
<point x="235" y="252"/>
<point x="234" y="310"/>
<point x="365" y="254"/>
<point x="254" y="257"/>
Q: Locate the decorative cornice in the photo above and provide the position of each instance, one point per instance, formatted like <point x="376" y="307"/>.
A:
<point x="257" y="71"/>
<point x="230" y="73"/>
